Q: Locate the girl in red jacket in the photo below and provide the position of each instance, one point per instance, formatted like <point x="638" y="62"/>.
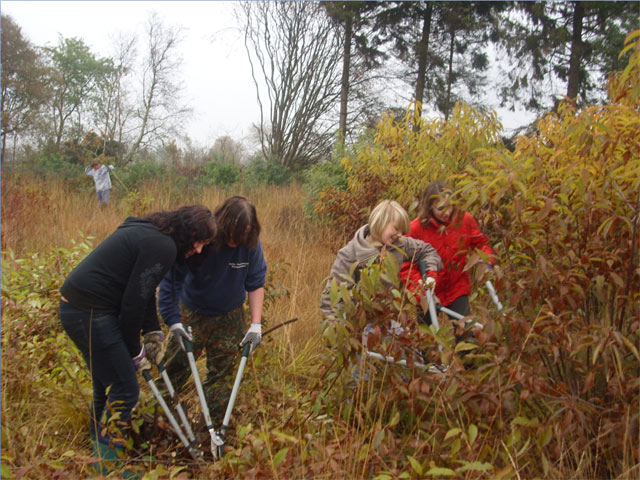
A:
<point x="453" y="234"/>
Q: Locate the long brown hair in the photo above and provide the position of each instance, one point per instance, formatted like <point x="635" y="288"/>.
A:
<point x="186" y="226"/>
<point x="238" y="223"/>
<point x="431" y="194"/>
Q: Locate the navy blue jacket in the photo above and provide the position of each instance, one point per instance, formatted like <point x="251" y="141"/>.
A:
<point x="212" y="283"/>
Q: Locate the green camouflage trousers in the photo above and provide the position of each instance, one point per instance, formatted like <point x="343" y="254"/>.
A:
<point x="219" y="336"/>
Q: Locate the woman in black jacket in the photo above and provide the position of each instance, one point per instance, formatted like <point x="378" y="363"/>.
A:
<point x="108" y="300"/>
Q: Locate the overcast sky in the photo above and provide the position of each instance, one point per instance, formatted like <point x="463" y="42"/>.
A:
<point x="216" y="71"/>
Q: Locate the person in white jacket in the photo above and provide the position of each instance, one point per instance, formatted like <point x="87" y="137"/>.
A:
<point x="101" y="178"/>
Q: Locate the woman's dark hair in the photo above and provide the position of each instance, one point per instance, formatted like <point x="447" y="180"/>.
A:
<point x="186" y="225"/>
<point x="237" y="223"/>
<point x="432" y="193"/>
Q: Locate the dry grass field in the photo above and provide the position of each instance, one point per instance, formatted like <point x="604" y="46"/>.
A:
<point x="41" y="215"/>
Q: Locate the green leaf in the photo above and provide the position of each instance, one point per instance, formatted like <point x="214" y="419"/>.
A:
<point x="545" y="465"/>
<point x="441" y="472"/>
<point x="473" y="433"/>
<point x="476" y="467"/>
<point x="533" y="422"/>
<point x="465" y="346"/>
<point x="631" y="346"/>
<point x="285" y="436"/>
<point x="415" y="464"/>
<point x="280" y="456"/>
<point x="5" y="471"/>
<point x="452" y="433"/>
<point x="377" y="439"/>
<point x="545" y="437"/>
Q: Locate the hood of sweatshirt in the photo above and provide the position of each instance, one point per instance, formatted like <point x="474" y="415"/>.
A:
<point x="136" y="222"/>
<point x="360" y="248"/>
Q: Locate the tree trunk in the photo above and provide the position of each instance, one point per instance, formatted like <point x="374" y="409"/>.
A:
<point x="422" y="51"/>
<point x="447" y="111"/>
<point x="575" y="74"/>
<point x="344" y="84"/>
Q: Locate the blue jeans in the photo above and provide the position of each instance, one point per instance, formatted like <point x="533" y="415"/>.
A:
<point x="99" y="339"/>
<point x="103" y="196"/>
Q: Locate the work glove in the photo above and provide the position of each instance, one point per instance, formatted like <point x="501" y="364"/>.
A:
<point x="179" y="332"/>
<point x="253" y="336"/>
<point x="427" y="283"/>
<point x="145" y="364"/>
<point x="153" y="345"/>
<point x="137" y="360"/>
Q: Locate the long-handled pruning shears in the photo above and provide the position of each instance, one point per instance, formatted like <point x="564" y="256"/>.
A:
<point x="217" y="438"/>
<point x="246" y="351"/>
<point x="216" y="441"/>
<point x="190" y="445"/>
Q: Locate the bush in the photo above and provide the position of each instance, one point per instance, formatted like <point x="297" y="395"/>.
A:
<point x="399" y="162"/>
<point x="322" y="177"/>
<point x="220" y="174"/>
<point x="134" y="174"/>
<point x="269" y="172"/>
<point x="555" y="387"/>
<point x="53" y="165"/>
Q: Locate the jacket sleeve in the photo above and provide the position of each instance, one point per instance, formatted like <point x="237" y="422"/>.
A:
<point x="410" y="271"/>
<point x="420" y="251"/>
<point x="154" y="259"/>
<point x="478" y="239"/>
<point x="257" y="274"/>
<point x="341" y="265"/>
<point x="169" y="295"/>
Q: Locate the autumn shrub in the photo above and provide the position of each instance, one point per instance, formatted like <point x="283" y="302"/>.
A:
<point x="554" y="389"/>
<point x="565" y="208"/>
<point x="21" y="199"/>
<point x="41" y="372"/>
<point x="399" y="161"/>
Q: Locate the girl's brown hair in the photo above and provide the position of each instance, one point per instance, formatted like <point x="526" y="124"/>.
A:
<point x="186" y="225"/>
<point x="238" y="223"/>
<point x="431" y="194"/>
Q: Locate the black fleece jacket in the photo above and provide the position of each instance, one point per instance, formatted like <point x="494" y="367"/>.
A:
<point x="120" y="277"/>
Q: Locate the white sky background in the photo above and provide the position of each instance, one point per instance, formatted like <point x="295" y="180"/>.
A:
<point x="216" y="71"/>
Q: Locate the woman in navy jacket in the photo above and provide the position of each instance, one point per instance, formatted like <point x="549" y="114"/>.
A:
<point x="206" y="295"/>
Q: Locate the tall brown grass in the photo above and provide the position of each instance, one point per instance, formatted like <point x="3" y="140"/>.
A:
<point x="38" y="215"/>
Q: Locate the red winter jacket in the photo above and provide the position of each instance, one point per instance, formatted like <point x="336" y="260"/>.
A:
<point x="452" y="241"/>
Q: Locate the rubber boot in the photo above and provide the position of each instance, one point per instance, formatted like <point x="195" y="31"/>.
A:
<point x="111" y="458"/>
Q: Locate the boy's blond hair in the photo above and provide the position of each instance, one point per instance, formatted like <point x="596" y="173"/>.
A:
<point x="386" y="213"/>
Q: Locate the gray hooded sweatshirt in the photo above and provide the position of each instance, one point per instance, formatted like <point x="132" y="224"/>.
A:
<point x="359" y="250"/>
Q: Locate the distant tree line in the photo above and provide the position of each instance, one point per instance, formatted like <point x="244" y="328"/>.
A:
<point x="324" y="72"/>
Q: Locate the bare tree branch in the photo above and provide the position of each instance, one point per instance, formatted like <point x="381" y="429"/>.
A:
<point x="295" y="55"/>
